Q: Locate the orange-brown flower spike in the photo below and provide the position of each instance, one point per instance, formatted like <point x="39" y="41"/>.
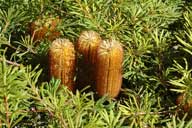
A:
<point x="87" y="45"/>
<point x="185" y="103"/>
<point x="109" y="68"/>
<point x="62" y="62"/>
<point x="45" y="27"/>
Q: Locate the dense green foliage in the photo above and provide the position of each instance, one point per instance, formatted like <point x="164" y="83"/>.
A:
<point x="157" y="39"/>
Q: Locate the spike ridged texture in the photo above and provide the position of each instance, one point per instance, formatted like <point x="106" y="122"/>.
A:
<point x="87" y="46"/>
<point x="62" y="62"/>
<point x="109" y="68"/>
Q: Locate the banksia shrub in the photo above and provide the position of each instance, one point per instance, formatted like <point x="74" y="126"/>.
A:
<point x="45" y="27"/>
<point x="109" y="68"/>
<point x="87" y="46"/>
<point x="62" y="62"/>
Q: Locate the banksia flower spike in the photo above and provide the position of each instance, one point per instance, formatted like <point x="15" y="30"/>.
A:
<point x="62" y="62"/>
<point x="185" y="103"/>
<point x="87" y="46"/>
<point x="109" y="68"/>
<point x="45" y="27"/>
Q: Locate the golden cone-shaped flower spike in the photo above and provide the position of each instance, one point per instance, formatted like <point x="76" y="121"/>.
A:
<point x="109" y="68"/>
<point x="62" y="62"/>
<point x="87" y="46"/>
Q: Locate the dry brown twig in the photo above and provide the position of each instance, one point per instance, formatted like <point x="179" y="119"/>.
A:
<point x="10" y="62"/>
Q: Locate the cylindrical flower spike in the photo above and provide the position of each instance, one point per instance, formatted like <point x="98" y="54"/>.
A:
<point x="45" y="27"/>
<point x="87" y="46"/>
<point x="62" y="62"/>
<point x="109" y="68"/>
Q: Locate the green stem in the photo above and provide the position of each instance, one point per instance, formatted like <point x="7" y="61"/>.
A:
<point x="0" y="123"/>
<point x="5" y="28"/>
<point x="63" y="122"/>
<point x="42" y="6"/>
<point x="7" y="111"/>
